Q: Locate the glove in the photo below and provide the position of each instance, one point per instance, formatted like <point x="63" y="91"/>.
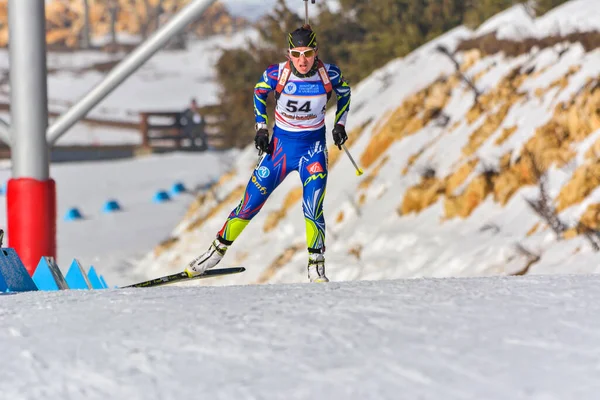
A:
<point x="261" y="141"/>
<point x="339" y="135"/>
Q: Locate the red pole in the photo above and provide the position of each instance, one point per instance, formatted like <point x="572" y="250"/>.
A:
<point x="31" y="208"/>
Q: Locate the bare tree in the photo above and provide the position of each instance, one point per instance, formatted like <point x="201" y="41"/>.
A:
<point x="543" y="204"/>
<point x="530" y="257"/>
<point x="489" y="171"/>
<point x="544" y="208"/>
<point x="113" y="9"/>
<point x="85" y="33"/>
<point x="427" y="172"/>
<point x="444" y="50"/>
<point x="592" y="235"/>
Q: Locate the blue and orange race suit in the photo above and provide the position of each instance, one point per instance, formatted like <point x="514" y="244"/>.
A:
<point x="298" y="144"/>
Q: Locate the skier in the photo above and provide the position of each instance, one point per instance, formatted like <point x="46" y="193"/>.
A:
<point x="302" y="86"/>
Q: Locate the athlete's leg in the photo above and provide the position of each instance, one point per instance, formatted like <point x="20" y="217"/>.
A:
<point x="270" y="171"/>
<point x="313" y="174"/>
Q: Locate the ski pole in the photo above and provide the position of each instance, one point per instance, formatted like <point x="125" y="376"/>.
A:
<point x="306" y="10"/>
<point x="359" y="171"/>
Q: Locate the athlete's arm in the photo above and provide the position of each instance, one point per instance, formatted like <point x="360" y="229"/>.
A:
<point x="342" y="90"/>
<point x="266" y="84"/>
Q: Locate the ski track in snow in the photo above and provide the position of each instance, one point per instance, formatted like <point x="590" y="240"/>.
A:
<point x="456" y="338"/>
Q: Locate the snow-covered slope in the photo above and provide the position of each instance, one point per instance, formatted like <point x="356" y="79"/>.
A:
<point x="572" y="17"/>
<point x="471" y="218"/>
<point x="533" y="338"/>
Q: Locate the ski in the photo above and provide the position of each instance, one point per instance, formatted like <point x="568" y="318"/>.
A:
<point x="183" y="277"/>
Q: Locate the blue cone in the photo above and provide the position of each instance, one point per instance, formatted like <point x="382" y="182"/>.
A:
<point x="76" y="277"/>
<point x="94" y="279"/>
<point x="13" y="275"/>
<point x="111" y="206"/>
<point x="178" y="188"/>
<point x="48" y="276"/>
<point x="73" y="214"/>
<point x="161" y="196"/>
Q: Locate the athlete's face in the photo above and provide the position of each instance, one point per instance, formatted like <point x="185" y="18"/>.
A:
<point x="303" y="58"/>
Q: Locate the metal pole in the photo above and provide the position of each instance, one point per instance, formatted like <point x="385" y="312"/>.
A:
<point x="126" y="67"/>
<point x="359" y="171"/>
<point x="31" y="194"/>
<point x="28" y="90"/>
<point x="306" y="12"/>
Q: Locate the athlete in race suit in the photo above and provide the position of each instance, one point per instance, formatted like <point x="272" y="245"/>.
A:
<point x="302" y="87"/>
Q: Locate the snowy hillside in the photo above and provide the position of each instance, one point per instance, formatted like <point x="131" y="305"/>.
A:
<point x="446" y="179"/>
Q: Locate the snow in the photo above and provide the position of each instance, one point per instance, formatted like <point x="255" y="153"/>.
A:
<point x="515" y="23"/>
<point x="479" y="338"/>
<point x="570" y="17"/>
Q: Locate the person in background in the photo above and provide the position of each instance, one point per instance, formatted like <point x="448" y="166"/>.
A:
<point x="193" y="126"/>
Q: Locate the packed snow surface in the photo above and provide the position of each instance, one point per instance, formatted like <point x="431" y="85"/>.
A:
<point x="457" y="338"/>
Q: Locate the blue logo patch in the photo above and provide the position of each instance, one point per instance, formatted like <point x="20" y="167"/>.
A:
<point x="290" y="88"/>
<point x="263" y="172"/>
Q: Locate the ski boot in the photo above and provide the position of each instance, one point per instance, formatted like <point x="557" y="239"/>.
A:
<point x="208" y="260"/>
<point x="316" y="268"/>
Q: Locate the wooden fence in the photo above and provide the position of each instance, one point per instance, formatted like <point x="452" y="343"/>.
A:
<point x="160" y="131"/>
<point x="163" y="129"/>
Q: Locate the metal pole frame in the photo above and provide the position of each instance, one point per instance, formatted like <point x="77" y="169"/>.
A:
<point x="127" y="67"/>
<point x="31" y="197"/>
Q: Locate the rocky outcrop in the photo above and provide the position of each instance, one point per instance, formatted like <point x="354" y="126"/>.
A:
<point x="552" y="144"/>
<point x="414" y="113"/>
